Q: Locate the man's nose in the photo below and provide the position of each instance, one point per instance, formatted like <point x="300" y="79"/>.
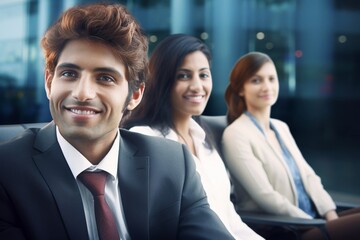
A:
<point x="84" y="89"/>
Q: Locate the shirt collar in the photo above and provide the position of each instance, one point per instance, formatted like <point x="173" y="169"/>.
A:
<point x="78" y="163"/>
<point x="196" y="132"/>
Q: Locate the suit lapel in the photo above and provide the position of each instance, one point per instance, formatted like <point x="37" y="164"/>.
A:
<point x="134" y="187"/>
<point x="261" y="136"/>
<point x="258" y="134"/>
<point x="58" y="176"/>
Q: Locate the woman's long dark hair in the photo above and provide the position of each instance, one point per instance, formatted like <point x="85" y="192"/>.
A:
<point x="155" y="109"/>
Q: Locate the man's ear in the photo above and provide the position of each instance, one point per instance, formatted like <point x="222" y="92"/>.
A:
<point x="136" y="98"/>
<point x="48" y="80"/>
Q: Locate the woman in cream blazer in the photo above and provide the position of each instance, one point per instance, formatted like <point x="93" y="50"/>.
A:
<point x="262" y="178"/>
<point x="268" y="170"/>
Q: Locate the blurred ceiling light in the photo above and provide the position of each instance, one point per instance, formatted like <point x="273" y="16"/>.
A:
<point x="204" y="35"/>
<point x="153" y="38"/>
<point x="269" y="45"/>
<point x="298" y="53"/>
<point x="342" y="39"/>
<point x="260" y="35"/>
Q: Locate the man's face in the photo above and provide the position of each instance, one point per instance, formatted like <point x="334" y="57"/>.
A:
<point x="88" y="91"/>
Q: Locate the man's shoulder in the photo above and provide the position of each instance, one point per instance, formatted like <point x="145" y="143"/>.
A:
<point x="136" y="137"/>
<point x="17" y="151"/>
<point x="162" y="152"/>
<point x="23" y="138"/>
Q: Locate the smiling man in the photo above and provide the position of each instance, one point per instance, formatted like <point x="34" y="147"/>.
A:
<point x="88" y="91"/>
<point x="81" y="177"/>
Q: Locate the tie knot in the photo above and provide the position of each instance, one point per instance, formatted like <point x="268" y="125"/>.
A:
<point x="94" y="181"/>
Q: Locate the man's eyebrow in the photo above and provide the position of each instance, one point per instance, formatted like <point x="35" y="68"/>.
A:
<point x="69" y="65"/>
<point x="108" y="70"/>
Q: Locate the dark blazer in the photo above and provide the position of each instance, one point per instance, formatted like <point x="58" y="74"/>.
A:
<point x="161" y="192"/>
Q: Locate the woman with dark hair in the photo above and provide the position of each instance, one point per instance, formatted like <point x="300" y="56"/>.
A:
<point x="268" y="170"/>
<point x="179" y="87"/>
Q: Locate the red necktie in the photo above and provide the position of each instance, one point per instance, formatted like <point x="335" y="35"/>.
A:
<point x="95" y="182"/>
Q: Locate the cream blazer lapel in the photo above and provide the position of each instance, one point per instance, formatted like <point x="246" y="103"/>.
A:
<point x="291" y="146"/>
<point x="265" y="143"/>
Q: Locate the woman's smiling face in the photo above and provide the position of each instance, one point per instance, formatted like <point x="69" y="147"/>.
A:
<point x="193" y="85"/>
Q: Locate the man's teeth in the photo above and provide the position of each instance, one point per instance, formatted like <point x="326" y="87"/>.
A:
<point x="82" y="112"/>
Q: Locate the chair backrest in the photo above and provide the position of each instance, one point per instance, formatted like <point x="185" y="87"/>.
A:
<point x="10" y="131"/>
<point x="215" y="126"/>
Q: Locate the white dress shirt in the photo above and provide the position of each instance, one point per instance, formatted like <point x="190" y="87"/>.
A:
<point x="78" y="163"/>
<point x="214" y="178"/>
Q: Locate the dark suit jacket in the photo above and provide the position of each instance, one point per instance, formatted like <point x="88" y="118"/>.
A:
<point x="161" y="192"/>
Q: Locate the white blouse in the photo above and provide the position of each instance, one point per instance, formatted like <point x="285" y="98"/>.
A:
<point x="214" y="178"/>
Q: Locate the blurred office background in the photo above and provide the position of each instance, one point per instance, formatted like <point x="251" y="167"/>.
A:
<point x="315" y="45"/>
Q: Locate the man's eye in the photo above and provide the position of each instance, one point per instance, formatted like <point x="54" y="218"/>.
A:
<point x="106" y="78"/>
<point x="68" y="74"/>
